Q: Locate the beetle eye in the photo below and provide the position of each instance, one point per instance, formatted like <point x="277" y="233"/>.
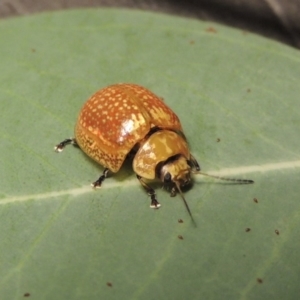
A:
<point x="167" y="177"/>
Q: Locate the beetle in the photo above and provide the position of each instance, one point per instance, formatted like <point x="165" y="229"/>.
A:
<point x="126" y="120"/>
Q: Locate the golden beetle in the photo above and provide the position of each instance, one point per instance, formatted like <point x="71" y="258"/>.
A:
<point x="128" y="120"/>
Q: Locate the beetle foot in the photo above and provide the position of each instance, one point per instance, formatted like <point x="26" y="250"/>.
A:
<point x="60" y="147"/>
<point x="96" y="184"/>
<point x="173" y="192"/>
<point x="154" y="203"/>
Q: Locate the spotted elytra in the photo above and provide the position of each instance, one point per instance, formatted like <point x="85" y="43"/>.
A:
<point x="128" y="121"/>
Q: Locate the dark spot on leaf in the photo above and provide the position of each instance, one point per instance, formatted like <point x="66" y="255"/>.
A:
<point x="255" y="200"/>
<point x="26" y="295"/>
<point x="247" y="229"/>
<point x="259" y="280"/>
<point x="180" y="237"/>
<point x="211" y="30"/>
<point x="33" y="50"/>
<point x="192" y="42"/>
<point x="109" y="284"/>
<point x="180" y="221"/>
<point x="277" y="231"/>
<point x="218" y="140"/>
<point x="248" y="91"/>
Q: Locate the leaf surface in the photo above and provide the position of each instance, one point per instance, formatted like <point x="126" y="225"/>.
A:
<point x="237" y="96"/>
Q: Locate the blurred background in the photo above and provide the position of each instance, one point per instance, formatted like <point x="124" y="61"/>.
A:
<point x="275" y="19"/>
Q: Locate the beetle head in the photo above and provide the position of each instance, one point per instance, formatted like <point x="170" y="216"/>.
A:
<point x="175" y="171"/>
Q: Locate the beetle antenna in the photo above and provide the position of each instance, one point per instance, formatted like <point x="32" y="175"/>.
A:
<point x="185" y="203"/>
<point x="242" y="181"/>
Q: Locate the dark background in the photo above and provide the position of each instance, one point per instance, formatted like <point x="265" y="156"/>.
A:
<point x="276" y="19"/>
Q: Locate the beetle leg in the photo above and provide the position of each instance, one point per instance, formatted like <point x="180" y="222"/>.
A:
<point x="150" y="191"/>
<point x="194" y="163"/>
<point x="98" y="182"/>
<point x="60" y="147"/>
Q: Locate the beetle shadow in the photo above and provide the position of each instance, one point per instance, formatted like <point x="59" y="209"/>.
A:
<point x="124" y="172"/>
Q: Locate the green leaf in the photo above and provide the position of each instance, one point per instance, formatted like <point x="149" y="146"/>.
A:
<point x="237" y="96"/>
